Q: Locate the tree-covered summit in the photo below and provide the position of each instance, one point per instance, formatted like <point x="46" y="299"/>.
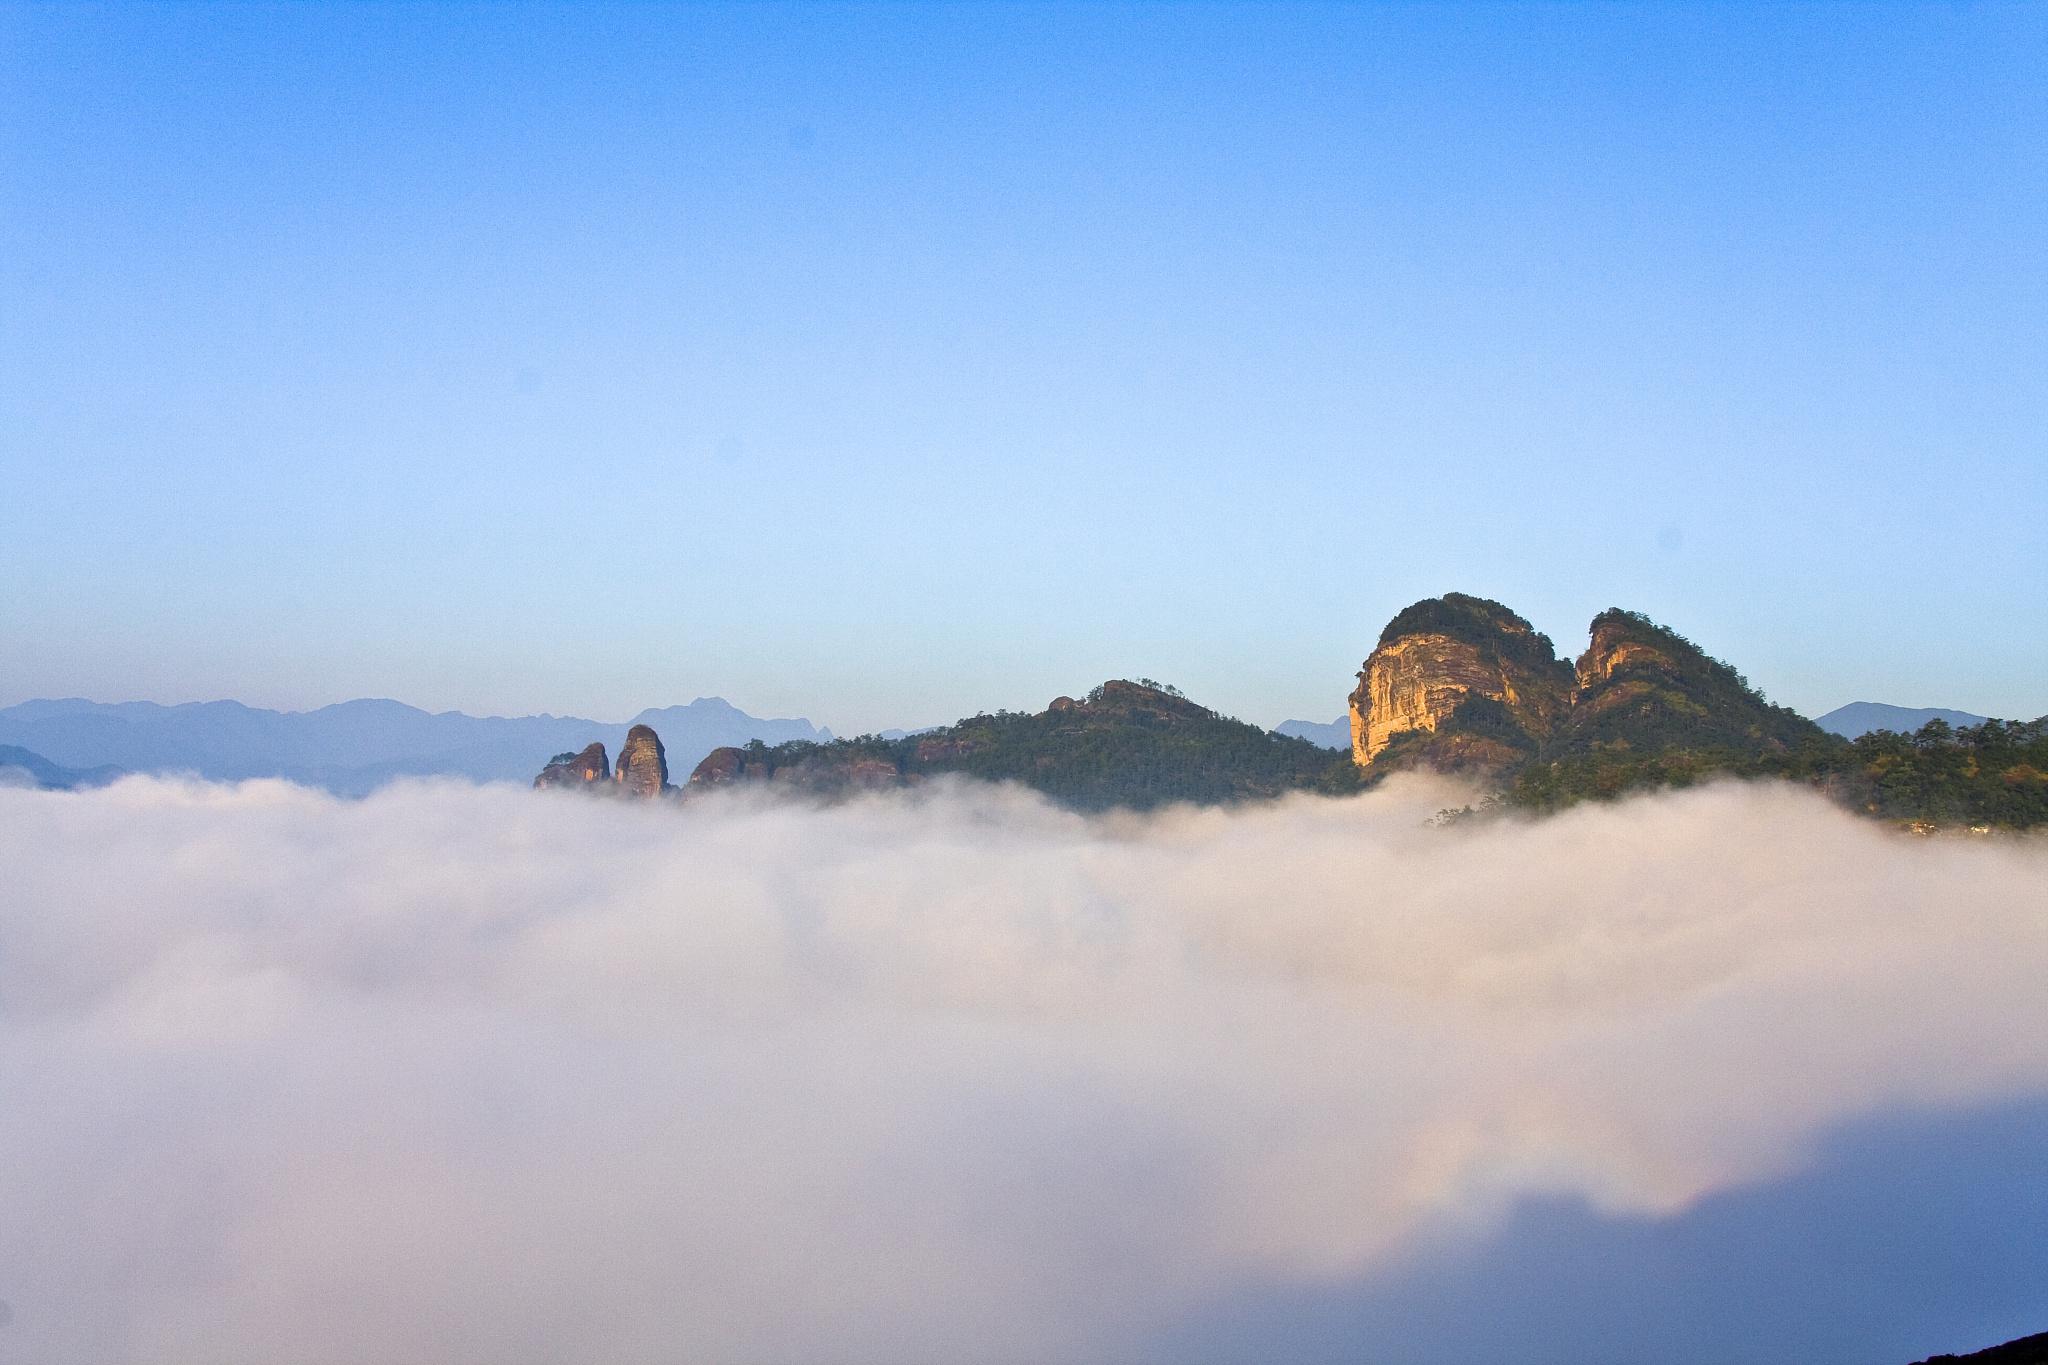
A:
<point x="1136" y="744"/>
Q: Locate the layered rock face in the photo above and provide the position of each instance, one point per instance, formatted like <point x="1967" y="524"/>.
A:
<point x="1478" y="683"/>
<point x="1461" y="684"/>
<point x="579" y="770"/>
<point x="643" y="766"/>
<point x="1414" y="683"/>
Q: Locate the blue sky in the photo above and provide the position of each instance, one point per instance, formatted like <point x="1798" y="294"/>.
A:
<point x="886" y="364"/>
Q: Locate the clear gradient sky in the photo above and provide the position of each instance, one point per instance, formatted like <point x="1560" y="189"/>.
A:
<point x="884" y="364"/>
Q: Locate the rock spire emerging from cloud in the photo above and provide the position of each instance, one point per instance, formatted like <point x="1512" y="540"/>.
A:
<point x="643" y="766"/>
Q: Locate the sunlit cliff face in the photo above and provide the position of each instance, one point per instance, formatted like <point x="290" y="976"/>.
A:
<point x="1438" y="654"/>
<point x="468" y="1074"/>
<point x="1414" y="682"/>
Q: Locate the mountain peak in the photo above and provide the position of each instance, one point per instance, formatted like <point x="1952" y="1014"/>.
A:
<point x="1861" y="717"/>
<point x="1123" y="697"/>
<point x="1458" y="683"/>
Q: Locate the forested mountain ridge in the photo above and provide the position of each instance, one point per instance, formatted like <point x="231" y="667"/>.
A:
<point x="1135" y="744"/>
<point x="1457" y="684"/>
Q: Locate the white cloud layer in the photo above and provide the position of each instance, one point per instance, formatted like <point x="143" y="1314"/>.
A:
<point x="460" y="1074"/>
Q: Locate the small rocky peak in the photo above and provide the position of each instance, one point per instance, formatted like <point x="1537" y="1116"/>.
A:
<point x="1120" y="697"/>
<point x="643" y="767"/>
<point x="727" y="764"/>
<point x="581" y="771"/>
<point x="1623" y="640"/>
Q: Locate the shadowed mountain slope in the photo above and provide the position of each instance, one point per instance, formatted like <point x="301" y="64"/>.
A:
<point x="19" y="767"/>
<point x="1133" y="744"/>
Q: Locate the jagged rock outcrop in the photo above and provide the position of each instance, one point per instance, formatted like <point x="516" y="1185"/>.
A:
<point x="578" y="770"/>
<point x="1457" y="683"/>
<point x="643" y="766"/>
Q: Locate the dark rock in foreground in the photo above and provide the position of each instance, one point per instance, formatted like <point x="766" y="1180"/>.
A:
<point x="2031" y="1350"/>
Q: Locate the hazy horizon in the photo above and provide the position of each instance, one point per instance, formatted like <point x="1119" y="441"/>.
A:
<point x="817" y="716"/>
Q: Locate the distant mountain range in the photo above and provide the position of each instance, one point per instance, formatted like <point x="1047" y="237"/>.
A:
<point x="1862" y="717"/>
<point x="21" y="768"/>
<point x="351" y="748"/>
<point x="1334" y="734"/>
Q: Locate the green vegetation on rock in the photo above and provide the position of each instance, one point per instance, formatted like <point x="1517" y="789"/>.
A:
<point x="1991" y="775"/>
<point x="1457" y="683"/>
<point x="1137" y="745"/>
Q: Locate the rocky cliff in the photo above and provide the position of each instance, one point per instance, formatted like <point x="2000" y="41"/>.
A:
<point x="643" y="766"/>
<point x="1457" y="683"/>
<point x="577" y="769"/>
<point x="1461" y="684"/>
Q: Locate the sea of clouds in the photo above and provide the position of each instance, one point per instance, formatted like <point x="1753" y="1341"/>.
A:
<point x="473" y="1074"/>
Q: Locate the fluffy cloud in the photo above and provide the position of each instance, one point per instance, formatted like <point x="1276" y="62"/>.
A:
<point x="466" y="1074"/>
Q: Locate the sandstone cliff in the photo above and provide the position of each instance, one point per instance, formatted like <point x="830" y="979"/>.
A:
<point x="1460" y="684"/>
<point x="643" y="766"/>
<point x="578" y="770"/>
<point x="1463" y="684"/>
